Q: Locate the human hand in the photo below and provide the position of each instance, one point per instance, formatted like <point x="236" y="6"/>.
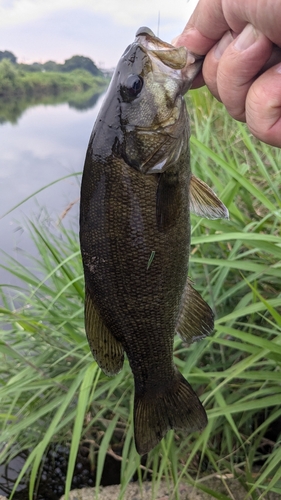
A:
<point x="242" y="67"/>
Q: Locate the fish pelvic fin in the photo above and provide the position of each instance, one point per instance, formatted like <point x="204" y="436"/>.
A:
<point x="107" y="351"/>
<point x="204" y="202"/>
<point x="175" y="406"/>
<point x="196" y="318"/>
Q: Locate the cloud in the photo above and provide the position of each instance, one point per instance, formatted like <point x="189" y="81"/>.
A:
<point x="39" y="30"/>
<point x="124" y="12"/>
<point x="128" y="12"/>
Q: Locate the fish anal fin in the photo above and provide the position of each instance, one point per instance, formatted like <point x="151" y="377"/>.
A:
<point x="167" y="200"/>
<point x="107" y="351"/>
<point x="196" y="318"/>
<point x="174" y="406"/>
<point x="204" y="202"/>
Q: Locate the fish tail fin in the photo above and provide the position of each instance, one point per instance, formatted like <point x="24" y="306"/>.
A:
<point x="175" y="406"/>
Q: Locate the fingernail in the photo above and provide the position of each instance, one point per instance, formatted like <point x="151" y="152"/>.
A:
<point x="246" y="38"/>
<point x="278" y="69"/>
<point x="223" y="44"/>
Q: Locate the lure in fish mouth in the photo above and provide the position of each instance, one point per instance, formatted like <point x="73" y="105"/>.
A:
<point x="136" y="197"/>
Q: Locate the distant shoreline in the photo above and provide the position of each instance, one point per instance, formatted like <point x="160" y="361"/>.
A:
<point x="18" y="83"/>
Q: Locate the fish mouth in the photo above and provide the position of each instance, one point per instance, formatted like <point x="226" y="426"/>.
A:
<point x="173" y="57"/>
<point x="180" y="63"/>
<point x="147" y="39"/>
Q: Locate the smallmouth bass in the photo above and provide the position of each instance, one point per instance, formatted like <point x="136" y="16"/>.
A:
<point x="136" y="196"/>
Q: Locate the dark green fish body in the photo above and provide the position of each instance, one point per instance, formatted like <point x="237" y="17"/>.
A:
<point x="135" y="236"/>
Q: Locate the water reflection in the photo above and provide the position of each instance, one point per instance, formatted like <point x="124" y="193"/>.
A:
<point x="49" y="141"/>
<point x="86" y="103"/>
<point x="11" y="109"/>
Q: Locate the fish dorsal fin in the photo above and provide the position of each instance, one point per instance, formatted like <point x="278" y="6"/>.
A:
<point x="196" y="318"/>
<point x="107" y="351"/>
<point x="204" y="202"/>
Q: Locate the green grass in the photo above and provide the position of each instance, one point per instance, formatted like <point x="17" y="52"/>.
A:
<point x="51" y="389"/>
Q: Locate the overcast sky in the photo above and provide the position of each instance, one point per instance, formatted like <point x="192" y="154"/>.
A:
<point x="41" y="30"/>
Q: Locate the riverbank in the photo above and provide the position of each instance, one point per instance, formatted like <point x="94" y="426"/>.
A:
<point x="222" y="485"/>
<point x="16" y="82"/>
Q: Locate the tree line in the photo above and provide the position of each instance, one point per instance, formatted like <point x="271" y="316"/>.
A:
<point x="75" y="62"/>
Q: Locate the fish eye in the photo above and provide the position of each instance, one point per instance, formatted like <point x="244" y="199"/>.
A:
<point x="134" y="84"/>
<point x="132" y="88"/>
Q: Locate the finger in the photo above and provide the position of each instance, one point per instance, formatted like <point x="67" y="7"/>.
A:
<point x="210" y="20"/>
<point x="196" y="36"/>
<point x="198" y="81"/>
<point x="275" y="58"/>
<point x="229" y="72"/>
<point x="199" y="36"/>
<point x="211" y="63"/>
<point x="265" y="15"/>
<point x="263" y="107"/>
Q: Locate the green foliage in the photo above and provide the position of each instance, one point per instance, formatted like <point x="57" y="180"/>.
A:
<point x="51" y="66"/>
<point x="34" y="87"/>
<point x="8" y="77"/>
<point x="6" y="54"/>
<point x="25" y="81"/>
<point x="75" y="62"/>
<point x="30" y="67"/>
<point x="81" y="62"/>
<point x="51" y="389"/>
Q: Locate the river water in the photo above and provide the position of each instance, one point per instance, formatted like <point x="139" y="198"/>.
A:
<point x="37" y="147"/>
<point x="45" y="143"/>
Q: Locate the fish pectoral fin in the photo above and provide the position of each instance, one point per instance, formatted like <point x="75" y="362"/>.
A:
<point x="196" y="318"/>
<point x="167" y="200"/>
<point x="172" y="406"/>
<point x="204" y="202"/>
<point x="107" y="351"/>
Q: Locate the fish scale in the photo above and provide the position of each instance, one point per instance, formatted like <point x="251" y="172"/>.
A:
<point x="136" y="193"/>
